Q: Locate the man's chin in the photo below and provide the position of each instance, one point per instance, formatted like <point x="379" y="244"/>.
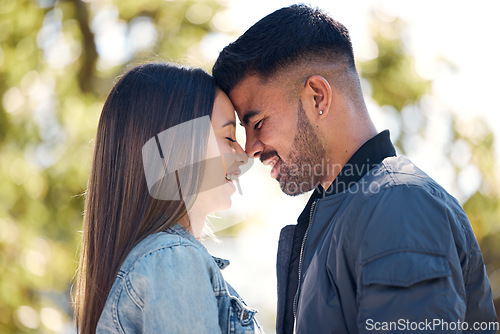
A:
<point x="294" y="188"/>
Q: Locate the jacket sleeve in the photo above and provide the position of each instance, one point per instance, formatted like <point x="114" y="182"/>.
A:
<point x="408" y="273"/>
<point x="480" y="306"/>
<point x="172" y="288"/>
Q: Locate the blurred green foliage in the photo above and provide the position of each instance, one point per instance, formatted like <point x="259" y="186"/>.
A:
<point x="56" y="68"/>
<point x="58" y="60"/>
<point x="392" y="76"/>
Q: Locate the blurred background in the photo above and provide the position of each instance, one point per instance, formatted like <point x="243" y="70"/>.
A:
<point x="429" y="73"/>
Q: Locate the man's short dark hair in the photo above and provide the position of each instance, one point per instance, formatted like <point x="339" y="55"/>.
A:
<point x="289" y="35"/>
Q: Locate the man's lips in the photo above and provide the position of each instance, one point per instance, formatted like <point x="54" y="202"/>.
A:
<point x="274" y="162"/>
<point x="271" y="161"/>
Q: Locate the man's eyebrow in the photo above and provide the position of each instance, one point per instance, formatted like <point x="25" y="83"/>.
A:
<point x="248" y="115"/>
<point x="229" y="123"/>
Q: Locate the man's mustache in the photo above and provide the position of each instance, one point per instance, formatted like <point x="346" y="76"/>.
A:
<point x="266" y="155"/>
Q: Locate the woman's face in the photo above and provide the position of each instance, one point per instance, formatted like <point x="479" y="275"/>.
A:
<point x="224" y="157"/>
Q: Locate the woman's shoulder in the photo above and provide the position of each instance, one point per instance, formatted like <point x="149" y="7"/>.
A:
<point x="165" y="271"/>
<point x="165" y="248"/>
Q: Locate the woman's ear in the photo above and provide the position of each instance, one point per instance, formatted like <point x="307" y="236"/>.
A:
<point x="316" y="97"/>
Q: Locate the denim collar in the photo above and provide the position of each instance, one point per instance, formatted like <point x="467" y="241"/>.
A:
<point x="182" y="232"/>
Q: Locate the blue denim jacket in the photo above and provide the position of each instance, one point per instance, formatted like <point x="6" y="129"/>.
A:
<point x="169" y="283"/>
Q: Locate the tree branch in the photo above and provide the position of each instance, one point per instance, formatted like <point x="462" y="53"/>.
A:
<point x="89" y="51"/>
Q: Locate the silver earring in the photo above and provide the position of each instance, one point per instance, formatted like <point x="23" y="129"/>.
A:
<point x="321" y="112"/>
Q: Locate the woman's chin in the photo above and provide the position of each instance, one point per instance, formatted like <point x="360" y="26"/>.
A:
<point x="220" y="197"/>
<point x="223" y="205"/>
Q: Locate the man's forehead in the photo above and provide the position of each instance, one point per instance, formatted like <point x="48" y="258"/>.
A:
<point x="245" y="87"/>
<point x="243" y="95"/>
<point x="251" y="93"/>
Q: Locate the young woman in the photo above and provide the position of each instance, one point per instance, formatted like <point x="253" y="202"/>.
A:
<point x="165" y="157"/>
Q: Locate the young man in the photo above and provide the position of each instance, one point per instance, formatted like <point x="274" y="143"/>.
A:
<point x="380" y="245"/>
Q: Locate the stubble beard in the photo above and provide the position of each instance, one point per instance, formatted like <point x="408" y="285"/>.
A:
<point x="297" y="177"/>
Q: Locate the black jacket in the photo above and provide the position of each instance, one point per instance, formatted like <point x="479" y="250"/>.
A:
<point x="394" y="252"/>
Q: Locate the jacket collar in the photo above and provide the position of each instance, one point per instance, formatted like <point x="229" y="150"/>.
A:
<point x="182" y="232"/>
<point x="369" y="155"/>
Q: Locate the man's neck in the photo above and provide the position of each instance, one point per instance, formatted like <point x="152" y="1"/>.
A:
<point x="344" y="151"/>
<point x="370" y="153"/>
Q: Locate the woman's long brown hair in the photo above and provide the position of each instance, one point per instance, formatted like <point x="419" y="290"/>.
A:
<point x="119" y="209"/>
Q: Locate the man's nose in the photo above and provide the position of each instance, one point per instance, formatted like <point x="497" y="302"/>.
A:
<point x="253" y="146"/>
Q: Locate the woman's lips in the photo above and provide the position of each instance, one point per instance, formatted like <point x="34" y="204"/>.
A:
<point x="230" y="177"/>
<point x="233" y="187"/>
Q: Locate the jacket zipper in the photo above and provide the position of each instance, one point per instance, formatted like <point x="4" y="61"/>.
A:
<point x="300" y="260"/>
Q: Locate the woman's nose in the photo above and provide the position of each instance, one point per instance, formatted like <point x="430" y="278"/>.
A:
<point x="242" y="157"/>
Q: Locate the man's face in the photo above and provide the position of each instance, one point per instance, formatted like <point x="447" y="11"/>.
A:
<point x="279" y="134"/>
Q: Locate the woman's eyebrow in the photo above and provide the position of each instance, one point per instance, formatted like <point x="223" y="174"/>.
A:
<point x="229" y="123"/>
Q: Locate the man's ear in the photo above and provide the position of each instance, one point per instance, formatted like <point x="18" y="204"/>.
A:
<point x="316" y="97"/>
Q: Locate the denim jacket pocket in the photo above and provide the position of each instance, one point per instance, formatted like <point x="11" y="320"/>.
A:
<point x="242" y="317"/>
